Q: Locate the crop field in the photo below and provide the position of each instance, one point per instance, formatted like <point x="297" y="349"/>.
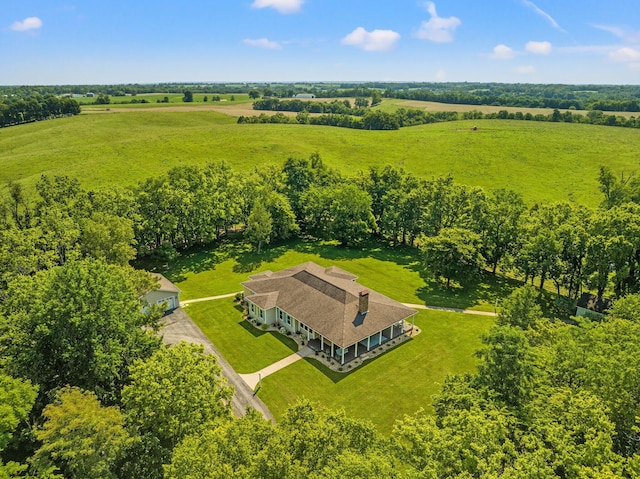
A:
<point x="543" y="161"/>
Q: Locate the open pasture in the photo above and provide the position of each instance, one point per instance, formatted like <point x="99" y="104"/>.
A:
<point x="543" y="161"/>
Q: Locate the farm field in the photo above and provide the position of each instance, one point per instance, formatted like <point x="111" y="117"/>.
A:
<point x="543" y="161"/>
<point x="401" y="380"/>
<point x="391" y="105"/>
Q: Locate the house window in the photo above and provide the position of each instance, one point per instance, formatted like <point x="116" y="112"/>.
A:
<point x="288" y="319"/>
<point x="281" y="315"/>
<point x="261" y="314"/>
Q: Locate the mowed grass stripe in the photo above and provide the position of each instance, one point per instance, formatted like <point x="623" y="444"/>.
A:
<point x="543" y="161"/>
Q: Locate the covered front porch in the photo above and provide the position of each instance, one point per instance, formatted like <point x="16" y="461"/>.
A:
<point x="344" y="356"/>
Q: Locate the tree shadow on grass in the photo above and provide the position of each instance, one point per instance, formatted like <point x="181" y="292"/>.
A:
<point x="255" y="332"/>
<point x="486" y="288"/>
<point x="331" y="250"/>
<point x="248" y="260"/>
<point x="336" y="376"/>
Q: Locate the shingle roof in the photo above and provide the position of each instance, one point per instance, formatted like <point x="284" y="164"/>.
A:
<point x="326" y="300"/>
<point x="165" y="284"/>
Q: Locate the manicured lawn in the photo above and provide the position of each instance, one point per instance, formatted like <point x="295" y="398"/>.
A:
<point x="387" y="387"/>
<point x="247" y="349"/>
<point x="543" y="161"/>
<point x="395" y="272"/>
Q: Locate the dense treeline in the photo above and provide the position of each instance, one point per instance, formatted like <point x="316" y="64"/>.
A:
<point x="92" y="393"/>
<point x="335" y="107"/>
<point x="15" y="110"/>
<point x="581" y="97"/>
<point x="402" y="117"/>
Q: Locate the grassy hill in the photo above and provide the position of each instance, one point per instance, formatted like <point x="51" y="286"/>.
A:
<point x="544" y="161"/>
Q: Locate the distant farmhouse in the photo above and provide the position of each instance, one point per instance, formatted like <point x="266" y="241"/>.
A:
<point x="167" y="294"/>
<point x="592" y="306"/>
<point x="305" y="95"/>
<point x="336" y="314"/>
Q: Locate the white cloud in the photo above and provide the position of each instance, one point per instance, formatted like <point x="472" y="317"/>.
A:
<point x="543" y="14"/>
<point x="525" y="70"/>
<point x="375" y="41"/>
<point x="538" y="48"/>
<point x="438" y="29"/>
<point x="283" y="6"/>
<point x="625" y="54"/>
<point x="262" y="43"/>
<point x="502" y="52"/>
<point x="30" y="23"/>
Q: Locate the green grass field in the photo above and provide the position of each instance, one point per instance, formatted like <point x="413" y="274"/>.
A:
<point x="395" y="272"/>
<point x="543" y="161"/>
<point x="397" y="382"/>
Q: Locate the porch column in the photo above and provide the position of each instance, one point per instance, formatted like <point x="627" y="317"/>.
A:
<point x="308" y="334"/>
<point x="368" y="343"/>
<point x="380" y="339"/>
<point x="331" y="348"/>
<point x="391" y="331"/>
<point x="356" y="350"/>
<point x="342" y="362"/>
<point x="321" y="343"/>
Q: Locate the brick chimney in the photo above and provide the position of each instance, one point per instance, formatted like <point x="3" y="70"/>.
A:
<point x="363" y="303"/>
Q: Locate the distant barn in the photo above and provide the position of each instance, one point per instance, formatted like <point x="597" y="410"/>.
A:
<point x="305" y="95"/>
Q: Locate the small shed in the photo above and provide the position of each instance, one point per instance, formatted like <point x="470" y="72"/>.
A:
<point x="167" y="293"/>
<point x="592" y="306"/>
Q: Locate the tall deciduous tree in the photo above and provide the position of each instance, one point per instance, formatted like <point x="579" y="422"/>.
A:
<point x="500" y="227"/>
<point x="81" y="438"/>
<point x="175" y="392"/>
<point x="454" y="253"/>
<point x="80" y="324"/>
<point x="259" y="226"/>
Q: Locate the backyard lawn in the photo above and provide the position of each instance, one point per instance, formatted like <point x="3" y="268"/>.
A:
<point x="395" y="272"/>
<point x="389" y="385"/>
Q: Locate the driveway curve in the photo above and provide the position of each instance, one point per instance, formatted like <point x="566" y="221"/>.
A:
<point x="178" y="326"/>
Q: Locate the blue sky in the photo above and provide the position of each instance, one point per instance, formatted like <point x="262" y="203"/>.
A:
<point x="142" y="41"/>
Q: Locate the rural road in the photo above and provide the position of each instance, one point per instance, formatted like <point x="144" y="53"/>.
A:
<point x="178" y="326"/>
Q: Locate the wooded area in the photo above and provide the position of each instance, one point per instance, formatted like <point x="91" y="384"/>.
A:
<point x="88" y="391"/>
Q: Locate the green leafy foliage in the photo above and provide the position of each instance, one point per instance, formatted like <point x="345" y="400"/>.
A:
<point x="81" y="438"/>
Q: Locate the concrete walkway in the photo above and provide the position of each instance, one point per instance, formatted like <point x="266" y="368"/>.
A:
<point x="178" y="326"/>
<point x="450" y="310"/>
<point x="209" y="298"/>
<point x="252" y="379"/>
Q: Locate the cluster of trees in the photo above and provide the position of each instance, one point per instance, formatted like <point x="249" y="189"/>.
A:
<point x="402" y="117"/>
<point x="459" y="229"/>
<point x="334" y="107"/>
<point x="15" y="110"/>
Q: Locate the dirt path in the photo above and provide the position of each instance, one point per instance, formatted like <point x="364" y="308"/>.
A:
<point x="178" y="326"/>
<point x="209" y="298"/>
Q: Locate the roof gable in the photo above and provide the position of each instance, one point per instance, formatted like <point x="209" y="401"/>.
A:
<point x="326" y="300"/>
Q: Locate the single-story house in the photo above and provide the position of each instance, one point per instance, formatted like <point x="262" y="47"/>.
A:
<point x="304" y="95"/>
<point x="592" y="306"/>
<point x="336" y="314"/>
<point x="167" y="294"/>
